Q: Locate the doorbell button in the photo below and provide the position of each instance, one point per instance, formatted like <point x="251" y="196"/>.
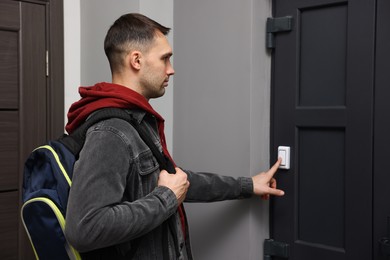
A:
<point x="284" y="154"/>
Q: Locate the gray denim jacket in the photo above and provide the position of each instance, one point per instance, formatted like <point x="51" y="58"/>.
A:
<point x="115" y="200"/>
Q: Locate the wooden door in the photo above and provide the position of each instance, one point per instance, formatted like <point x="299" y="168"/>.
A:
<point x="29" y="111"/>
<point x="323" y="89"/>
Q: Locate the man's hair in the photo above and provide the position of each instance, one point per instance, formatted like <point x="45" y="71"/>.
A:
<point x="128" y="33"/>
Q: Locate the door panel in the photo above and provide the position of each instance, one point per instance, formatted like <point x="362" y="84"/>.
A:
<point x="322" y="108"/>
<point x="321" y="156"/>
<point x="9" y="225"/>
<point x="10" y="24"/>
<point x="9" y="69"/>
<point x="323" y="42"/>
<point x="34" y="86"/>
<point x="9" y="14"/>
<point x="9" y="150"/>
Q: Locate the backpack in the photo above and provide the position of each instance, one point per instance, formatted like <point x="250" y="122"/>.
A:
<point x="47" y="179"/>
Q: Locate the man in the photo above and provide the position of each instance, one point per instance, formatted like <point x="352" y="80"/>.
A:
<point x="120" y="202"/>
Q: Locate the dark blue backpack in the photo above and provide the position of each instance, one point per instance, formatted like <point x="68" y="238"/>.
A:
<point x="47" y="179"/>
<point x="46" y="183"/>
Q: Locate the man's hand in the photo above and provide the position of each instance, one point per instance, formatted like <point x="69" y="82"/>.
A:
<point x="265" y="185"/>
<point x="178" y="183"/>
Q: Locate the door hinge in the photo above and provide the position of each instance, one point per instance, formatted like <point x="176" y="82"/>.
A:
<point x="275" y="248"/>
<point x="276" y="25"/>
<point x="47" y="63"/>
<point x="384" y="243"/>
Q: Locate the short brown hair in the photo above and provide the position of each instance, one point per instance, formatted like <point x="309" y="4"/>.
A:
<point x="130" y="31"/>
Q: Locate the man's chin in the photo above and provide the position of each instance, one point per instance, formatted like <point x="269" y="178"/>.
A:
<point x="158" y="94"/>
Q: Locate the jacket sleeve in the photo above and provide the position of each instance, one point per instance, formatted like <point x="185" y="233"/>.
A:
<point x="97" y="216"/>
<point x="209" y="187"/>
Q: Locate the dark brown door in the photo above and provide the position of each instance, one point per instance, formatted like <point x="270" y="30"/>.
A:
<point x="27" y="113"/>
<point x="323" y="108"/>
<point x="9" y="129"/>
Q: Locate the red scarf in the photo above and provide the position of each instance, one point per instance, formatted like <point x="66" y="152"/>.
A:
<point x="104" y="95"/>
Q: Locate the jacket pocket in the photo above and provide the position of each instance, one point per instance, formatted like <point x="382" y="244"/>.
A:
<point x="146" y="163"/>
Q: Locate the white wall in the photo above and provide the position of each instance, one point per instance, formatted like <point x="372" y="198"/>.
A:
<point x="72" y="50"/>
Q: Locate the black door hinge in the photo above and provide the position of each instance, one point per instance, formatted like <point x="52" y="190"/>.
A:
<point x="384" y="246"/>
<point x="384" y="243"/>
<point x="275" y="248"/>
<point x="275" y="25"/>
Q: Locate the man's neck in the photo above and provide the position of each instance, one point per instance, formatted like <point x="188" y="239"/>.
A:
<point x="133" y="85"/>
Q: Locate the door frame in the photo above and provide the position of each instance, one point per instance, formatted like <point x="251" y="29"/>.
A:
<point x="55" y="99"/>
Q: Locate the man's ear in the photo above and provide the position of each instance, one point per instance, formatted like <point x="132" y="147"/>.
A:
<point x="134" y="60"/>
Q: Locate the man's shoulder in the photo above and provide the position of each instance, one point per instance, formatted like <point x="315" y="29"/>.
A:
<point x="120" y="128"/>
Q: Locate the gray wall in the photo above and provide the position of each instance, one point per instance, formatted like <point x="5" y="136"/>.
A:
<point x="96" y="17"/>
<point x="221" y="116"/>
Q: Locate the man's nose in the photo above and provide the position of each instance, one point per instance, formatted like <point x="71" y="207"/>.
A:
<point x="170" y="70"/>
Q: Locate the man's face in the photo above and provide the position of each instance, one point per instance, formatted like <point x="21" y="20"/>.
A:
<point x="156" y="68"/>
